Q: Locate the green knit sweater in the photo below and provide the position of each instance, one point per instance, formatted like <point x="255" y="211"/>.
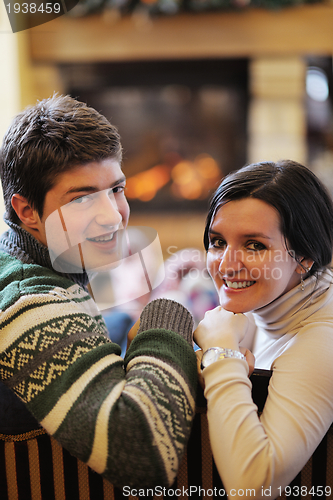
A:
<point x="127" y="419"/>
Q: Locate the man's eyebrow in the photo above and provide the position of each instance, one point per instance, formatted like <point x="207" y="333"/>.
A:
<point x="93" y="189"/>
<point x="250" y="235"/>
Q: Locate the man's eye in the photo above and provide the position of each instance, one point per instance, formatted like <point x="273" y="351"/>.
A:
<point x="81" y="200"/>
<point x="118" y="189"/>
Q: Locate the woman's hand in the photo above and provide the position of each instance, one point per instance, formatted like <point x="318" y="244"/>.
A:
<point x="249" y="357"/>
<point x="221" y="328"/>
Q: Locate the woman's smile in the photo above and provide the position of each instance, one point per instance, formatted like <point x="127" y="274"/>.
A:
<point x="238" y="285"/>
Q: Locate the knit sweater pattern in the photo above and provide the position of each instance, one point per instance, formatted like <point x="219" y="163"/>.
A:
<point x="127" y="419"/>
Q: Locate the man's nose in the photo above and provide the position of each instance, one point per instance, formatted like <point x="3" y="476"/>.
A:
<point x="107" y="212"/>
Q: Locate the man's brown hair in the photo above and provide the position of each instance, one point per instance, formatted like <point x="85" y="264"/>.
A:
<point x="48" y="139"/>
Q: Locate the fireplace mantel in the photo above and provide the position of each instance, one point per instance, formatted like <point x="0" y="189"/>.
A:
<point x="251" y="33"/>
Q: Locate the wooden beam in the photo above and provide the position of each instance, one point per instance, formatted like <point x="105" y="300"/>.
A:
<point x="254" y="32"/>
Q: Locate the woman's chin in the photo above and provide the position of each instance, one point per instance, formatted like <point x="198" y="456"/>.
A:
<point x="234" y="308"/>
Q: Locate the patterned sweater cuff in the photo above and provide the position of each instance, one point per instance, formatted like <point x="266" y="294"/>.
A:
<point x="168" y="315"/>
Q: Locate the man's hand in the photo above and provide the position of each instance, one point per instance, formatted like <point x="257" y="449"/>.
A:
<point x="132" y="333"/>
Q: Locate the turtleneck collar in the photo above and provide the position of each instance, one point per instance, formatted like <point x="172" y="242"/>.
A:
<point x="281" y="315"/>
<point x="22" y="245"/>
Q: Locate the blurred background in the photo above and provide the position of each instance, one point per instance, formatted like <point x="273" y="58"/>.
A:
<point x="197" y="89"/>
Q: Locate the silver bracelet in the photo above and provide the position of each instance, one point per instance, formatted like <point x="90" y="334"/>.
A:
<point x="215" y="353"/>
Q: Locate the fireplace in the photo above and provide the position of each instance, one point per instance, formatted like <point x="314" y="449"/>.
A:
<point x="183" y="125"/>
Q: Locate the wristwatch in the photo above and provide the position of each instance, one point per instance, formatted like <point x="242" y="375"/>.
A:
<point x="214" y="353"/>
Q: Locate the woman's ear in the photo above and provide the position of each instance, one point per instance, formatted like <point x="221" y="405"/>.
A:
<point x="304" y="265"/>
<point x="24" y="211"/>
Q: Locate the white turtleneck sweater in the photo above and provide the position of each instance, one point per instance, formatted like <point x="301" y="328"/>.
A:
<point x="293" y="336"/>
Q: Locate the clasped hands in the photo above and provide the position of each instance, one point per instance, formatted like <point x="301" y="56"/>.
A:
<point x="221" y="328"/>
<point x="218" y="328"/>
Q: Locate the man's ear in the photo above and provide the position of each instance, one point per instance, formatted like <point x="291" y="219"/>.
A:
<point x="304" y="265"/>
<point x="24" y="211"/>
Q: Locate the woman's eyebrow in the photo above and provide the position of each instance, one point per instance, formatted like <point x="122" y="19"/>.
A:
<point x="249" y="235"/>
<point x="257" y="235"/>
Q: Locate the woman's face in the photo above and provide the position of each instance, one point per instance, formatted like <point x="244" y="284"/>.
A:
<point x="247" y="258"/>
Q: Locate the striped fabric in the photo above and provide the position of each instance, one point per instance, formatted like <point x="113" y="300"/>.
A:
<point x="33" y="466"/>
<point x="40" y="469"/>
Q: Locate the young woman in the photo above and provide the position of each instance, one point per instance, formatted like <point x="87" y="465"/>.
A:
<point x="269" y="240"/>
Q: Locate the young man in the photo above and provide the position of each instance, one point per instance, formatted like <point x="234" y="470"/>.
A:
<point x="64" y="188"/>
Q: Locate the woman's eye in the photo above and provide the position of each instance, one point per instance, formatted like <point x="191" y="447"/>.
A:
<point x="217" y="243"/>
<point x="256" y="245"/>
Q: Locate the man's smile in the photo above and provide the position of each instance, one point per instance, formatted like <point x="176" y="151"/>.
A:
<point x="103" y="238"/>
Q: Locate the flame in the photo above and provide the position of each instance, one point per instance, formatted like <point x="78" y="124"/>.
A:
<point x="189" y="179"/>
<point x="193" y="180"/>
<point x="145" y="185"/>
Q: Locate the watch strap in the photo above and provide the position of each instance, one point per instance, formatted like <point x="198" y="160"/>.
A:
<point x="220" y="353"/>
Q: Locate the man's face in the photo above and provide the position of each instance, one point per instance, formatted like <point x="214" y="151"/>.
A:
<point x="84" y="214"/>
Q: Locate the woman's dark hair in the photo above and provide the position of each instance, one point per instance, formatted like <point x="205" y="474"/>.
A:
<point x="304" y="205"/>
<point x="49" y="139"/>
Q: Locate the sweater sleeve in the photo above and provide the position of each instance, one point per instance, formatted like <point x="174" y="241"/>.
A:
<point x="128" y="420"/>
<point x="263" y="455"/>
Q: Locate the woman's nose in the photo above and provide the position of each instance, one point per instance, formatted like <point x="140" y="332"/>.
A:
<point x="231" y="261"/>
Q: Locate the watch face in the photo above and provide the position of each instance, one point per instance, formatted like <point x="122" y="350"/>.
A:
<point x="209" y="357"/>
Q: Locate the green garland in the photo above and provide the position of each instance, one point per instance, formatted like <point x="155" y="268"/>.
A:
<point x="171" y="7"/>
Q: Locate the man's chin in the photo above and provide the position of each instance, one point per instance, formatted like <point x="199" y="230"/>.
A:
<point x="103" y="268"/>
<point x="79" y="261"/>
